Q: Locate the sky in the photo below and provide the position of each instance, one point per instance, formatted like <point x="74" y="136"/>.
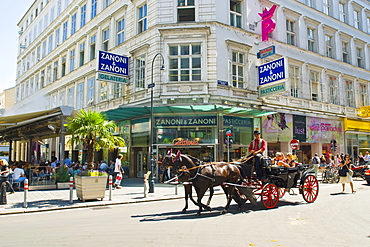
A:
<point x="11" y="12"/>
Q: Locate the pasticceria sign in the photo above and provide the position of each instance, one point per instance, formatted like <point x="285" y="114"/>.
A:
<point x="364" y="111"/>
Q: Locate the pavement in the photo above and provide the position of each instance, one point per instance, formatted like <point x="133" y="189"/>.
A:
<point x="47" y="200"/>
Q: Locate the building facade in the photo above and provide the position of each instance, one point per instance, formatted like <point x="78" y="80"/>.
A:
<point x="211" y="82"/>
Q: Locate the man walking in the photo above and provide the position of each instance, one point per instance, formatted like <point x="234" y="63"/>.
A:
<point x="118" y="172"/>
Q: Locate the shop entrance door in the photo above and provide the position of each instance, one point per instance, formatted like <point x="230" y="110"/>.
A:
<point x="141" y="162"/>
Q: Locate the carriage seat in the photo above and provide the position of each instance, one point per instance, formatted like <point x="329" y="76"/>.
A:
<point x="277" y="170"/>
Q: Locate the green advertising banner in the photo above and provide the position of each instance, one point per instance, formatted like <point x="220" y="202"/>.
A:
<point x="272" y="89"/>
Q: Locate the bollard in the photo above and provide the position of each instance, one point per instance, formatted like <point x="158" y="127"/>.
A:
<point x="71" y="190"/>
<point x="25" y="193"/>
<point x="176" y="186"/>
<point x="110" y="187"/>
<point x="3" y="199"/>
<point x="146" y="187"/>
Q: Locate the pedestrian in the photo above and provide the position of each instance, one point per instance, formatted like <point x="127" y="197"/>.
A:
<point x="315" y="163"/>
<point x="118" y="172"/>
<point x="103" y="166"/>
<point x="345" y="174"/>
<point x="367" y="157"/>
<point x="5" y="172"/>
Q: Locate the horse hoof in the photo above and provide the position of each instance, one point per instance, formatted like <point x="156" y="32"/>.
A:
<point x="183" y="211"/>
<point x="209" y="209"/>
<point x="224" y="211"/>
<point x="198" y="214"/>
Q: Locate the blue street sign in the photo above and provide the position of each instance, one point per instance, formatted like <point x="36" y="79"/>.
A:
<point x="272" y="71"/>
<point x="151" y="85"/>
<point x="112" y="63"/>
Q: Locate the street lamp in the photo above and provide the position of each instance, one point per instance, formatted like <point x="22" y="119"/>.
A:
<point x="151" y="131"/>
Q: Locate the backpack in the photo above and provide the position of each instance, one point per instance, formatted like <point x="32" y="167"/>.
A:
<point x="315" y="160"/>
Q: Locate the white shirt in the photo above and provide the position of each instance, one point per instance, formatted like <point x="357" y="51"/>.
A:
<point x="367" y="157"/>
<point x="117" y="165"/>
<point x="18" y="172"/>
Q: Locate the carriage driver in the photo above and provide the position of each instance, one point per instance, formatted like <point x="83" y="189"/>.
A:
<point x="256" y="148"/>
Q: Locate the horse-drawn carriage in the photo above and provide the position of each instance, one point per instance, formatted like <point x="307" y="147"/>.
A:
<point x="240" y="181"/>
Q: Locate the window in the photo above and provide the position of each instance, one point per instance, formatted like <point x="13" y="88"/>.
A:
<point x="185" y="10"/>
<point x="63" y="66"/>
<point x="350" y="94"/>
<point x="70" y="96"/>
<point x="368" y="24"/>
<point x="333" y="90"/>
<point x="72" y="60"/>
<point x="55" y="71"/>
<point x="40" y="27"/>
<point x="93" y="8"/>
<point x="294" y="81"/>
<point x="311" y="39"/>
<point x="290" y="34"/>
<point x="237" y="69"/>
<point x="106" y="40"/>
<point x="82" y="54"/>
<point x="315" y="85"/>
<point x="329" y="46"/>
<point x="356" y="19"/>
<point x="48" y="75"/>
<point x="73" y="23"/>
<point x="185" y="62"/>
<point x="46" y="21"/>
<point x="52" y="15"/>
<point x="80" y="96"/>
<point x="120" y="31"/>
<point x="57" y="37"/>
<point x="140" y="72"/>
<point x="90" y="91"/>
<point x="345" y="52"/>
<point x="92" y="47"/>
<point x="50" y="43"/>
<point x="83" y="16"/>
<point x="326" y="6"/>
<point x="65" y="29"/>
<point x="359" y="57"/>
<point x="106" y="3"/>
<point x="117" y="90"/>
<point x="142" y="22"/>
<point x="38" y="53"/>
<point x="43" y="53"/>
<point x="53" y="100"/>
<point x="342" y="13"/>
<point x="59" y="7"/>
<point x="310" y="3"/>
<point x="61" y="98"/>
<point x="42" y="78"/>
<point x="103" y="91"/>
<point x="236" y="13"/>
<point x="363" y="95"/>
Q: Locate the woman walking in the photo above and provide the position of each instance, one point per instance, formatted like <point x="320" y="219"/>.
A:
<point x="345" y="174"/>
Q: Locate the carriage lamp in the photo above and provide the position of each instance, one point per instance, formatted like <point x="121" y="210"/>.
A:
<point x="151" y="131"/>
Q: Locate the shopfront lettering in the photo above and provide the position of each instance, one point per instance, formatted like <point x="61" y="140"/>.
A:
<point x="186" y="121"/>
<point x="328" y="127"/>
<point x="299" y="131"/>
<point x="180" y="142"/>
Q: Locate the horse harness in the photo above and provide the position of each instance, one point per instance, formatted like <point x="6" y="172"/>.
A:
<point x="199" y="168"/>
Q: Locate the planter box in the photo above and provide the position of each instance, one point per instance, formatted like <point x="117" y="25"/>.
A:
<point x="88" y="188"/>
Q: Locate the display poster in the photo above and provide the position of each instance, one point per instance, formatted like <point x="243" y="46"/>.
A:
<point x="324" y="130"/>
<point x="299" y="128"/>
<point x="277" y="127"/>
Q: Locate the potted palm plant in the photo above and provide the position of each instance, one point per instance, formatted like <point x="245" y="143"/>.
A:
<point x="62" y="177"/>
<point x="93" y="131"/>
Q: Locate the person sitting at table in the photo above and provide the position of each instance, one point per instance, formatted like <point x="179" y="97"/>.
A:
<point x="19" y="175"/>
<point x="280" y="159"/>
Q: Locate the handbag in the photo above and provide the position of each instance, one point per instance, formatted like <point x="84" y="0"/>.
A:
<point x="342" y="172"/>
<point x="349" y="171"/>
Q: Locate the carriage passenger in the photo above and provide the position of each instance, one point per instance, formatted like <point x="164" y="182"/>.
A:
<point x="280" y="159"/>
<point x="290" y="161"/>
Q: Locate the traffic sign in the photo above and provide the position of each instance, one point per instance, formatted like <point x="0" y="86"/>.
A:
<point x="294" y="144"/>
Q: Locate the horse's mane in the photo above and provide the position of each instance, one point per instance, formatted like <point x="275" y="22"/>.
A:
<point x="193" y="159"/>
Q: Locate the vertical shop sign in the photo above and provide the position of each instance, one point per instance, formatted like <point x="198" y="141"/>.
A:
<point x="299" y="128"/>
<point x="268" y="24"/>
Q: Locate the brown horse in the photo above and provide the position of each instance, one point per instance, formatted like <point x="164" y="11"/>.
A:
<point x="204" y="176"/>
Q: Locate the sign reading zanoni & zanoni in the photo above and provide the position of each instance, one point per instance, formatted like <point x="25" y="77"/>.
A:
<point x="112" y="63"/>
<point x="272" y="89"/>
<point x="271" y="72"/>
<point x="186" y="121"/>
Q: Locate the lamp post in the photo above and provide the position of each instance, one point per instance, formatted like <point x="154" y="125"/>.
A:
<point x="151" y="131"/>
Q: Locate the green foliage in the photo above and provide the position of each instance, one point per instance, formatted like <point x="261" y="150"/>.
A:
<point x="62" y="175"/>
<point x="94" y="131"/>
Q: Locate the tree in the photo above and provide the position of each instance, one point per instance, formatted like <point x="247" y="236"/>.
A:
<point x="94" y="131"/>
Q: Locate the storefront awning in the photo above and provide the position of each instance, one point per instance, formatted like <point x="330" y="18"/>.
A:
<point x="131" y="112"/>
<point x="33" y="125"/>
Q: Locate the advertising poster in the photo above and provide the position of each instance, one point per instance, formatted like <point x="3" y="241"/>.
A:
<point x="299" y="128"/>
<point x="277" y="127"/>
<point x="324" y="130"/>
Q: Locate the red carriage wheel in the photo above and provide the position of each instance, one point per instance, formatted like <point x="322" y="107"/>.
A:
<point x="281" y="192"/>
<point x="270" y="195"/>
<point x="310" y="188"/>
